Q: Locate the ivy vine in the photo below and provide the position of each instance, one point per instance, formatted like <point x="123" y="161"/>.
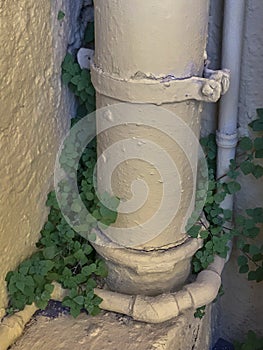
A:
<point x="63" y="255"/>
<point x="221" y="228"/>
<point x="246" y="227"/>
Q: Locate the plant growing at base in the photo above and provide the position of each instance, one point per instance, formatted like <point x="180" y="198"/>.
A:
<point x="220" y="230"/>
<point x="63" y="255"/>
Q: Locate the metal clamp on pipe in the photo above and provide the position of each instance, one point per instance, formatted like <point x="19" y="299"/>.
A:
<point x="169" y="89"/>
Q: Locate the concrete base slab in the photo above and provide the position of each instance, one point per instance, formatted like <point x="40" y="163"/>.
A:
<point x="110" y="331"/>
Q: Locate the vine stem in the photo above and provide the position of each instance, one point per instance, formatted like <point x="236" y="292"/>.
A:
<point x="249" y="258"/>
<point x="236" y="168"/>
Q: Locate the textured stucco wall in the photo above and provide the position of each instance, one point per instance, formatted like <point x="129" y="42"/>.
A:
<point x="35" y="111"/>
<point x="240" y="309"/>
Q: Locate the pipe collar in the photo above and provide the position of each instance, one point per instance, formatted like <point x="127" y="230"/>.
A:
<point x="168" y="89"/>
<point x="225" y="140"/>
<point x="133" y="271"/>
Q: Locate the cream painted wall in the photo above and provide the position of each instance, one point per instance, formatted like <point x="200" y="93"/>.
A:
<point x="241" y="308"/>
<point x="35" y="111"/>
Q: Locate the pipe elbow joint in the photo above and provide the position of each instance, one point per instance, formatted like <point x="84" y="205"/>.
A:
<point x="155" y="309"/>
<point x="205" y="289"/>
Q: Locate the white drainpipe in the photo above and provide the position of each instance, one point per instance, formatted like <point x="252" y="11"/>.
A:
<point x="228" y="113"/>
<point x="231" y="58"/>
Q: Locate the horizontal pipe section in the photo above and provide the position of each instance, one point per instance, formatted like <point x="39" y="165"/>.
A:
<point x="157" y="309"/>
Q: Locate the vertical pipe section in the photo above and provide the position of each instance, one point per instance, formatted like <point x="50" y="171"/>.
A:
<point x="231" y="58"/>
<point x="228" y="109"/>
<point x="149" y="41"/>
<point x="154" y="38"/>
<point x="138" y="40"/>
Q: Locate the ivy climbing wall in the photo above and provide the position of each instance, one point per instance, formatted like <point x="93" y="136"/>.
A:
<point x="240" y="308"/>
<point x="242" y="302"/>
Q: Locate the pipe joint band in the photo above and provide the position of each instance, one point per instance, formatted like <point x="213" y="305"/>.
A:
<point x="225" y="140"/>
<point x="165" y="90"/>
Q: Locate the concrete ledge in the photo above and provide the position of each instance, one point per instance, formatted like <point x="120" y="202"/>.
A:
<point x="110" y="331"/>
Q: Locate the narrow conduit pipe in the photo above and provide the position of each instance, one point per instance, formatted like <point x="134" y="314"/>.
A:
<point x="226" y="136"/>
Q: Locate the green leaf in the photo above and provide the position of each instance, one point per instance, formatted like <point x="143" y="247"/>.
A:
<point x="79" y="300"/>
<point x="232" y="174"/>
<point x="61" y="15"/>
<point x="194" y="231"/>
<point x="258" y="171"/>
<point x="209" y="245"/>
<point x="83" y="95"/>
<point x="204" y="234"/>
<point x="75" y="80"/>
<point x="89" y="270"/>
<point x="200" y="312"/>
<point x="256" y="214"/>
<point x="253" y="249"/>
<point x="259" y="274"/>
<point x="50" y="252"/>
<point x="87" y="249"/>
<point x="258" y="143"/>
<point x="233" y="187"/>
<point x="96" y="311"/>
<point x="259" y="153"/>
<point x="242" y="260"/>
<point x="42" y="304"/>
<point x="247" y="167"/>
<point x="251" y="232"/>
<point x="89" y="33"/>
<point x="80" y="256"/>
<point x="245" y="143"/>
<point x="66" y="78"/>
<point x="67" y="62"/>
<point x="90" y="90"/>
<point x="215" y="230"/>
<point x="259" y="113"/>
<point x="90" y="196"/>
<point x="90" y="284"/>
<point x="243" y="269"/>
<point x="252" y="276"/>
<point x="20" y="286"/>
<point x="101" y="269"/>
<point x="257" y="124"/>
<point x="219" y="197"/>
<point x="81" y="85"/>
